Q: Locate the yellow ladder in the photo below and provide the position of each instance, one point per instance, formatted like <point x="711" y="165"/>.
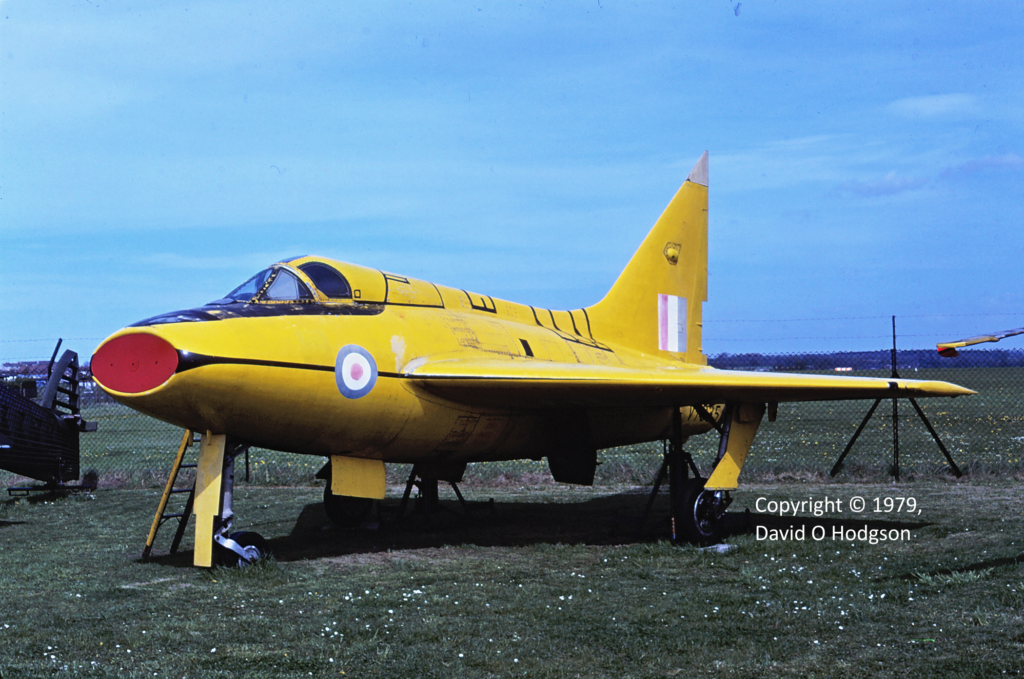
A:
<point x="183" y="517"/>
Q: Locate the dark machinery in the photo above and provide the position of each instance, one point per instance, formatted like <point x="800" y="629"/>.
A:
<point x="40" y="440"/>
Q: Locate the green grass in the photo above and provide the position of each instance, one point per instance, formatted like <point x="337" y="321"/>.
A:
<point x="133" y="450"/>
<point x="556" y="582"/>
<point x="985" y="429"/>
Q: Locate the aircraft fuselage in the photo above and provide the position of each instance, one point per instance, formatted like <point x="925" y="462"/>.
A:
<point x="270" y="374"/>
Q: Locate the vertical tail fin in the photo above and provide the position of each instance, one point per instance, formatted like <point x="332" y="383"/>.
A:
<point x="655" y="305"/>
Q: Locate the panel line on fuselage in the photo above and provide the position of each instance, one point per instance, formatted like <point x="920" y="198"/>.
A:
<point x="190" y="361"/>
<point x="575" y="338"/>
<point x="223" y="312"/>
<point x="482" y="306"/>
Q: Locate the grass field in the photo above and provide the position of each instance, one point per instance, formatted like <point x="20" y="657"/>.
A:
<point x="554" y="582"/>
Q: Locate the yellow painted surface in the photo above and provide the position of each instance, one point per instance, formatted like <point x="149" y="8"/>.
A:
<point x="746" y="418"/>
<point x="368" y="285"/>
<point x="209" y="476"/>
<point x="652" y="384"/>
<point x="357" y="477"/>
<point x="404" y="290"/>
<point x="672" y="260"/>
<point x="970" y="341"/>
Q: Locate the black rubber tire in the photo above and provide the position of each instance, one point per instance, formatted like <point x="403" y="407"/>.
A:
<point x="245" y="539"/>
<point x="345" y="511"/>
<point x="696" y="522"/>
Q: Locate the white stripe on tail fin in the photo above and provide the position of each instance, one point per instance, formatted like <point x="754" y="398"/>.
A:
<point x="672" y="323"/>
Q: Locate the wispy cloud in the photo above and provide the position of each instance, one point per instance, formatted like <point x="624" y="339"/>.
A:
<point x="888" y="185"/>
<point x="936" y="106"/>
<point x="1006" y="161"/>
<point x="781" y="163"/>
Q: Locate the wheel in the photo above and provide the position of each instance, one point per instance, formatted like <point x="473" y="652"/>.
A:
<point x="345" y="511"/>
<point x="253" y="544"/>
<point x="700" y="514"/>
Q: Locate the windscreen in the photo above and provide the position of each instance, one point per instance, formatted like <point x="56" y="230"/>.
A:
<point x="247" y="290"/>
<point x="286" y="287"/>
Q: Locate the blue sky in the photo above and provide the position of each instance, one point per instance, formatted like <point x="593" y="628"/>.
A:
<point x="866" y="158"/>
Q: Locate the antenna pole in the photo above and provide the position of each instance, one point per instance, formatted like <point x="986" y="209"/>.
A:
<point x="895" y="413"/>
<point x="49" y="368"/>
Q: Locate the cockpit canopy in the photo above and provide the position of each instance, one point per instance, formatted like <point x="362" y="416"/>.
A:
<point x="278" y="284"/>
<point x="327" y="280"/>
<point x="301" y="285"/>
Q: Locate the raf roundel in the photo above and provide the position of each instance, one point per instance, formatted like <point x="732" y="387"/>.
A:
<point x="355" y="371"/>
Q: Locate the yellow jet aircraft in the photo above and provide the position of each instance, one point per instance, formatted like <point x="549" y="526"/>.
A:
<point x="949" y="349"/>
<point x="320" y="357"/>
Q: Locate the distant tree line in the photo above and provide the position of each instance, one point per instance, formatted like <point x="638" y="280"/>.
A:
<point x="869" y="360"/>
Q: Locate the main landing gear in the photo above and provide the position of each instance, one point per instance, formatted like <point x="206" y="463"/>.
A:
<point x="697" y="511"/>
<point x="698" y="518"/>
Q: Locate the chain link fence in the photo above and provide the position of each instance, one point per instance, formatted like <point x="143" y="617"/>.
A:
<point x="984" y="433"/>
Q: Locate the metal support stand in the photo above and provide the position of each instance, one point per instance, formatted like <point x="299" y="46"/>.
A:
<point x="839" y="463"/>
<point x="658" y="480"/>
<point x="938" y="441"/>
<point x="895" y="469"/>
<point x="408" y="491"/>
<point x="428" y="502"/>
<point x="676" y="466"/>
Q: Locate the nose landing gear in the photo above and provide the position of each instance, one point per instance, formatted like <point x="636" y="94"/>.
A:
<point x="215" y="481"/>
<point x="242" y="549"/>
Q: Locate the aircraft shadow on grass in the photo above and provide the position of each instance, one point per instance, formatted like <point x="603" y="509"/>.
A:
<point x="611" y="520"/>
<point x="985" y="565"/>
<point x="608" y="520"/>
<point x="600" y="521"/>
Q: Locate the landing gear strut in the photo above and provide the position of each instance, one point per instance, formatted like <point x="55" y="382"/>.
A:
<point x="696" y="513"/>
<point x="215" y="482"/>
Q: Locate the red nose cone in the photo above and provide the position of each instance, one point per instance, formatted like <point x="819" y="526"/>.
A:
<point x="134" y="363"/>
